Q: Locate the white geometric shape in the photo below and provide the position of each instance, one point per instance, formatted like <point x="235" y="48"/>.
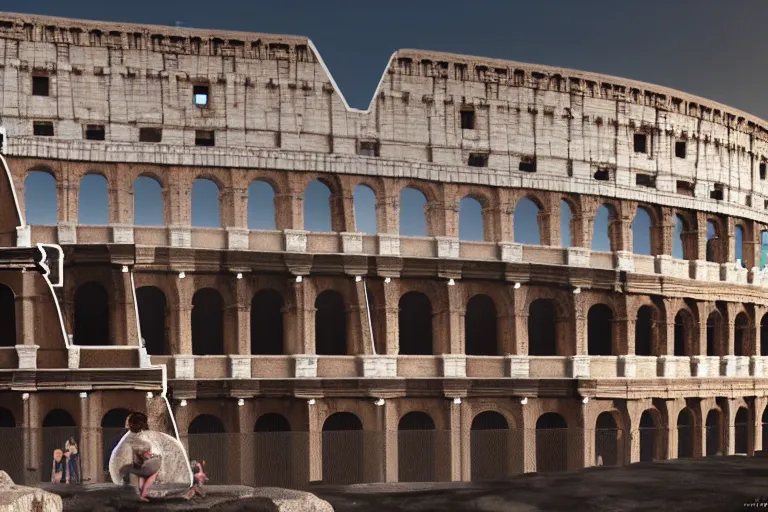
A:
<point x="174" y="468"/>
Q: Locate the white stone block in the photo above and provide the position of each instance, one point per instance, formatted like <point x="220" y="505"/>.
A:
<point x="624" y="261"/>
<point x="666" y="265"/>
<point x="305" y="366"/>
<point x="578" y="367"/>
<point x="742" y="364"/>
<point x="184" y="367"/>
<point x="667" y="367"/>
<point x="705" y="270"/>
<point x="378" y="366"/>
<point x="240" y="367"/>
<point x="295" y="240"/>
<point x="27" y="356"/>
<point x="447" y="248"/>
<point x="700" y="366"/>
<point x="518" y="367"/>
<point x="67" y="233"/>
<point x="181" y="237"/>
<point x="627" y="366"/>
<point x="757" y="366"/>
<point x="122" y="234"/>
<point x="758" y="277"/>
<point x="237" y="239"/>
<point x="144" y="360"/>
<point x="728" y="366"/>
<point x="389" y="245"/>
<point x="454" y="365"/>
<point x="73" y="357"/>
<point x="733" y="273"/>
<point x="577" y="257"/>
<point x="352" y="243"/>
<point x="23" y="236"/>
<point x="510" y="253"/>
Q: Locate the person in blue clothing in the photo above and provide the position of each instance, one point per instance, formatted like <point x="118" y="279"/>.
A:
<point x="73" y="461"/>
<point x="59" y="468"/>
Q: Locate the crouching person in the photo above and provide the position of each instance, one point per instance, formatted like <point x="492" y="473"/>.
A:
<point x="145" y="466"/>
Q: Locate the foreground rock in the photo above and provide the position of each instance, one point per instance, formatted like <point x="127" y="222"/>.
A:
<point x="17" y="498"/>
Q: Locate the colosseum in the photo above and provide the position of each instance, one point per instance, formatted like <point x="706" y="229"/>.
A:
<point x="609" y="308"/>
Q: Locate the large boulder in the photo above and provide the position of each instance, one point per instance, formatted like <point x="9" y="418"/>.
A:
<point x="17" y="498"/>
<point x="174" y="468"/>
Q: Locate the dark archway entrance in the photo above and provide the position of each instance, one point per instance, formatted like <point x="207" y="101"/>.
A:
<point x="207" y="323"/>
<point x="740" y="334"/>
<point x="685" y="433"/>
<point x="480" y="327"/>
<point x="330" y="324"/>
<point x="608" y="441"/>
<point x="415" y="324"/>
<point x="600" y="330"/>
<point x="208" y="441"/>
<point x="644" y="331"/>
<point x="683" y="330"/>
<point x="542" y="328"/>
<point x="343" y="449"/>
<point x="152" y="314"/>
<point x="551" y="443"/>
<point x="416" y="448"/>
<point x="11" y="446"/>
<point x="267" y="323"/>
<point x="91" y="315"/>
<point x="714" y="431"/>
<point x="650" y="437"/>
<point x="490" y="443"/>
<point x="58" y="427"/>
<point x="274" y="453"/>
<point x="741" y="427"/>
<point x="112" y="431"/>
<point x="7" y="317"/>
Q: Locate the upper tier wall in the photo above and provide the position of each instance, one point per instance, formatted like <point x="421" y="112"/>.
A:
<point x="271" y="96"/>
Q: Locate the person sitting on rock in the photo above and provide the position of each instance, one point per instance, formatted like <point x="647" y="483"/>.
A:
<point x="145" y="464"/>
<point x="200" y="478"/>
<point x="59" y="469"/>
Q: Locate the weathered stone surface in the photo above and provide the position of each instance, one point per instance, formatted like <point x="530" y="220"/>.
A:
<point x="175" y="464"/>
<point x="18" y="498"/>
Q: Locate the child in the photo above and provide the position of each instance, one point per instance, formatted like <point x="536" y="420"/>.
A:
<point x="59" y="469"/>
<point x="198" y="469"/>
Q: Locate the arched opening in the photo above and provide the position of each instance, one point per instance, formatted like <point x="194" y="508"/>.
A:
<point x="683" y="331"/>
<point x="416" y="448"/>
<point x="413" y="217"/>
<point x="11" y="446"/>
<point x="58" y="427"/>
<point x="678" y="243"/>
<point x="714" y="338"/>
<point x="526" y="225"/>
<point x="713" y="242"/>
<point x="600" y="330"/>
<point x="207" y="323"/>
<point x="608" y="441"/>
<point x="7" y="317"/>
<point x="7" y="420"/>
<point x="685" y="434"/>
<point x="601" y="237"/>
<point x="148" y="207"/>
<point x="650" y="433"/>
<point x="91" y="315"/>
<point x="415" y="324"/>
<point x="641" y="233"/>
<point x="93" y="201"/>
<point x="741" y="428"/>
<point x="551" y="443"/>
<point x="343" y="449"/>
<point x="112" y="431"/>
<point x="739" y="245"/>
<point x="152" y="314"/>
<point x="365" y="210"/>
<point x="208" y="442"/>
<point x="471" y="219"/>
<point x="764" y="338"/>
<point x="40" y="199"/>
<point x="480" y="327"/>
<point x="741" y="331"/>
<point x="261" y="206"/>
<point x="566" y="219"/>
<point x="330" y="324"/>
<point x="205" y="204"/>
<point x="273" y="452"/>
<point x="267" y="323"/>
<point x="542" y="328"/>
<point x="644" y="331"/>
<point x="317" y="207"/>
<point x="489" y="444"/>
<point x="714" y="433"/>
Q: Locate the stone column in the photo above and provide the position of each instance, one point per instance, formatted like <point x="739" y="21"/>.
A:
<point x="581" y="440"/>
<point x="243" y="317"/>
<point x="25" y="310"/>
<point x="128" y="311"/>
<point x="756" y="423"/>
<point x="729" y="417"/>
<point x="527" y="440"/>
<point x="182" y="321"/>
<point x="88" y="442"/>
<point x="580" y="325"/>
<point x="391" y="310"/>
<point x="315" y="444"/>
<point x="246" y="448"/>
<point x="33" y="440"/>
<point x="366" y="334"/>
<point x="120" y="196"/>
<point x="624" y="336"/>
<point x="388" y="423"/>
<point x="449" y="461"/>
<point x="289" y="211"/>
<point x="456" y="312"/>
<point x="666" y="232"/>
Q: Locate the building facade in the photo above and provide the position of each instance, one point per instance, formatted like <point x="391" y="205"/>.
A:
<point x="629" y="305"/>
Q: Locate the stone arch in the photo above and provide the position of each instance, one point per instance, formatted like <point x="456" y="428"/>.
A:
<point x="317" y="206"/>
<point x="715" y="323"/>
<point x="343" y="449"/>
<point x="551" y="443"/>
<point x="480" y="326"/>
<point x="415" y="324"/>
<point x="684" y="331"/>
<point x="148" y="204"/>
<point x="206" y="203"/>
<point x="261" y="205"/>
<point x="642" y="232"/>
<point x="207" y="441"/>
<point x="330" y="324"/>
<point x="685" y="433"/>
<point x="542" y="331"/>
<point x="7" y="317"/>
<point x="207" y="323"/>
<point x="413" y="215"/>
<point x="600" y="330"/>
<point x="566" y="223"/>
<point x="741" y="331"/>
<point x="7" y="420"/>
<point x="267" y="330"/>
<point x="714" y="432"/>
<point x="92" y="316"/>
<point x="651" y="437"/>
<point x="645" y="330"/>
<point x="416" y="446"/>
<point x="741" y="431"/>
<point x="58" y="426"/>
<point x="93" y="200"/>
<point x="366" y="204"/>
<point x="490" y="444"/>
<point x="112" y="431"/>
<point x="40" y="198"/>
<point x="153" y="314"/>
<point x="471" y="222"/>
<point x="603" y="227"/>
<point x="527" y="221"/>
<point x="11" y="445"/>
<point x="609" y="440"/>
<point x="273" y="451"/>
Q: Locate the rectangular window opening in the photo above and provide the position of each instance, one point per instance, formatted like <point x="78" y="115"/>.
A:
<point x="641" y="143"/>
<point x="645" y="180"/>
<point x="42" y="128"/>
<point x="204" y="138"/>
<point x="368" y="148"/>
<point x="467" y="118"/>
<point x="602" y="174"/>
<point x="94" y="132"/>
<point x="40" y="86"/>
<point x="200" y="94"/>
<point x="717" y="193"/>
<point x="527" y="164"/>
<point x="150" y="135"/>
<point x="478" y="160"/>
<point x="762" y="170"/>
<point x="685" y="188"/>
<point x="680" y="149"/>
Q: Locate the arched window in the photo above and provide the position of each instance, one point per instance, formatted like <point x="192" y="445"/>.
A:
<point x="365" y="210"/>
<point x="714" y="433"/>
<point x="343" y="449"/>
<point x="542" y="328"/>
<point x="601" y="238"/>
<point x="413" y="217"/>
<point x="267" y="323"/>
<point x="490" y="440"/>
<point x="551" y="443"/>
<point x="685" y="433"/>
<point x="526" y="225"/>
<point x="261" y="206"/>
<point x="148" y="202"/>
<point x="714" y="334"/>
<point x="207" y="323"/>
<point x="683" y="333"/>
<point x="330" y="324"/>
<point x="739" y="243"/>
<point x="7" y="317"/>
<point x="40" y="198"/>
<point x="317" y="207"/>
<point x="608" y="441"/>
<point x="741" y="333"/>
<point x="112" y="430"/>
<point x="205" y="204"/>
<point x="600" y="330"/>
<point x="471" y="219"/>
<point x="91" y="315"/>
<point x="641" y="233"/>
<point x="650" y="436"/>
<point x="416" y="442"/>
<point x="273" y="451"/>
<point x="566" y="219"/>
<point x="415" y="324"/>
<point x="644" y="331"/>
<point x="208" y="441"/>
<point x="678" y="244"/>
<point x="152" y="307"/>
<point x="480" y="327"/>
<point x="93" y="201"/>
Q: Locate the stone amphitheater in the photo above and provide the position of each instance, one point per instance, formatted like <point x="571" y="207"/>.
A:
<point x="624" y="320"/>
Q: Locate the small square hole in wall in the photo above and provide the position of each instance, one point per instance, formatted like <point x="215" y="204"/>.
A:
<point x="200" y="95"/>
<point x="602" y="174"/>
<point x="762" y="170"/>
<point x="641" y="143"/>
<point x="204" y="138"/>
<point x="765" y="204"/>
<point x="527" y="164"/>
<point x="717" y="193"/>
<point x="368" y="148"/>
<point x="94" y="132"/>
<point x="42" y="128"/>
<point x="150" y="135"/>
<point x="645" y="180"/>
<point x="478" y="160"/>
<point x="467" y="118"/>
<point x="748" y="200"/>
<point x="685" y="188"/>
<point x="40" y="86"/>
<point x="681" y="149"/>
